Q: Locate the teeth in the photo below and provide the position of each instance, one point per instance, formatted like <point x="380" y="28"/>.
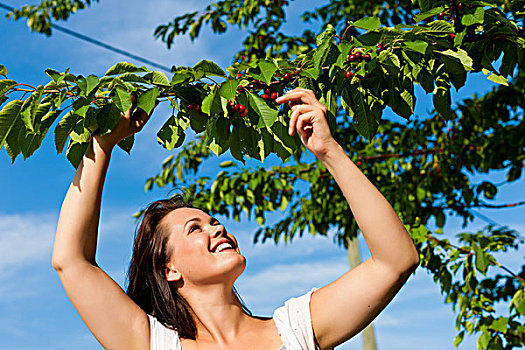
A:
<point x="222" y="247"/>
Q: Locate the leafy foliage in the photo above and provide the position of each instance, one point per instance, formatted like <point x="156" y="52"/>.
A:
<point x="368" y="57"/>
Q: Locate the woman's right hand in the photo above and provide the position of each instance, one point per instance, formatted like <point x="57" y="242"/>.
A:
<point x="127" y="125"/>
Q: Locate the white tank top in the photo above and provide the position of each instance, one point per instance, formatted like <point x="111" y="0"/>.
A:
<point x="292" y="321"/>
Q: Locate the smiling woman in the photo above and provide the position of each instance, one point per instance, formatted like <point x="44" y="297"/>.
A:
<point x="181" y="276"/>
<point x="153" y="250"/>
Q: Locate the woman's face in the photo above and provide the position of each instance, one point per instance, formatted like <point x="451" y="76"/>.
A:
<point x="193" y="239"/>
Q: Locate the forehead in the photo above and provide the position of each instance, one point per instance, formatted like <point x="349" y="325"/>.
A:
<point x="176" y="220"/>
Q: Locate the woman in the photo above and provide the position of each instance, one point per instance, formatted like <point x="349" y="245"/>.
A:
<point x="181" y="280"/>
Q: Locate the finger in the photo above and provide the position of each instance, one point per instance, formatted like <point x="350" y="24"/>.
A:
<point x="304" y="123"/>
<point x="302" y="96"/>
<point x="296" y="112"/>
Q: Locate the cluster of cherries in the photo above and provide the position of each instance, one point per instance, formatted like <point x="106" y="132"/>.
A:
<point x="190" y="107"/>
<point x="454" y="7"/>
<point x="356" y="55"/>
<point x="236" y="108"/>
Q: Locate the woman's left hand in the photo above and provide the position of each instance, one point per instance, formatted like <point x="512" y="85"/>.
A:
<point x="309" y="119"/>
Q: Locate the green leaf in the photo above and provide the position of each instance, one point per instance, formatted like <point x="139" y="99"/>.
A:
<point x="228" y="89"/>
<point x="477" y="17"/>
<point x="500" y="324"/>
<point x="211" y="104"/>
<point x="482" y="261"/>
<point x="417" y="46"/>
<point x="268" y="68"/>
<point x="29" y="108"/>
<point x="8" y="117"/>
<point x="147" y="100"/>
<point x="484" y="339"/>
<point x="389" y="58"/>
<point x="518" y="300"/>
<point x="125" y="67"/>
<point x="75" y="152"/>
<point x="368" y="23"/>
<point x="218" y="135"/>
<point x="424" y="15"/>
<point x="425" y="5"/>
<point x="227" y="164"/>
<point x="459" y="338"/>
<point x="127" y="143"/>
<point x="210" y="68"/>
<point x="172" y="135"/>
<point x="107" y="117"/>
<point x="495" y="77"/>
<point x="367" y="112"/>
<point x="3" y="70"/>
<point x="460" y="55"/>
<point x="6" y="85"/>
<point x="64" y="128"/>
<point x="121" y="98"/>
<point x="262" y="109"/>
<point x="157" y="78"/>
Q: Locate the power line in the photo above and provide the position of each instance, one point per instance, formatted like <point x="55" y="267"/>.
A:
<point x="98" y="43"/>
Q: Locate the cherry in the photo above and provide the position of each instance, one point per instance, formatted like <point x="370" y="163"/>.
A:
<point x="461" y="6"/>
<point x="351" y="58"/>
<point x="239" y="75"/>
<point x="452" y="35"/>
<point x="237" y="106"/>
<point x="274" y="95"/>
<point x="265" y="96"/>
<point x="358" y="163"/>
<point x="441" y="15"/>
<point x="241" y="109"/>
<point x="358" y="55"/>
<point x="239" y="87"/>
<point x="287" y="77"/>
<point x="268" y="92"/>
<point x="367" y="57"/>
<point x="197" y="107"/>
<point x="261" y="37"/>
<point x="189" y="107"/>
<point x="349" y="74"/>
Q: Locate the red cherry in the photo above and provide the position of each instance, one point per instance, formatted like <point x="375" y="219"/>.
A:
<point x="349" y="74"/>
<point x="261" y="37"/>
<point x="358" y="163"/>
<point x="351" y="58"/>
<point x="244" y="114"/>
<point x="452" y="35"/>
<point x="441" y="15"/>
<point x="287" y="77"/>
<point x="461" y="6"/>
<point x="239" y="75"/>
<point x="274" y="95"/>
<point x="268" y="92"/>
<point x="367" y="57"/>
<point x="198" y="107"/>
<point x="358" y="55"/>
<point x="189" y="107"/>
<point x="237" y="107"/>
<point x="242" y="109"/>
<point x="265" y="96"/>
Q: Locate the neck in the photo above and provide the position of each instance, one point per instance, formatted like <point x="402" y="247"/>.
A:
<point x="218" y="313"/>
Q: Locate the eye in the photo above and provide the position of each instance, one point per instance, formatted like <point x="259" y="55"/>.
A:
<point x="193" y="226"/>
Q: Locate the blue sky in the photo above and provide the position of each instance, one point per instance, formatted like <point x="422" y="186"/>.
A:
<point x="36" y="312"/>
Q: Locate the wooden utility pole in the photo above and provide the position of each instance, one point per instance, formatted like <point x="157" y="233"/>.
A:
<point x="369" y="341"/>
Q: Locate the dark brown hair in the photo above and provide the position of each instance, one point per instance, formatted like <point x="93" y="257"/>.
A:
<point x="147" y="283"/>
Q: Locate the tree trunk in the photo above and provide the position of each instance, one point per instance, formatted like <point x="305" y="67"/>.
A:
<point x="369" y="342"/>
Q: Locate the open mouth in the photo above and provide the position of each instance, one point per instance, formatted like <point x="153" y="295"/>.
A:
<point x="224" y="247"/>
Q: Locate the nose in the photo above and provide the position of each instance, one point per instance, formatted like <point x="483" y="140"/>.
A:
<point x="220" y="230"/>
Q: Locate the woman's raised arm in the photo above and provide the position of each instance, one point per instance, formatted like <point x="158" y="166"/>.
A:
<point x="113" y="318"/>
<point x="346" y="306"/>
